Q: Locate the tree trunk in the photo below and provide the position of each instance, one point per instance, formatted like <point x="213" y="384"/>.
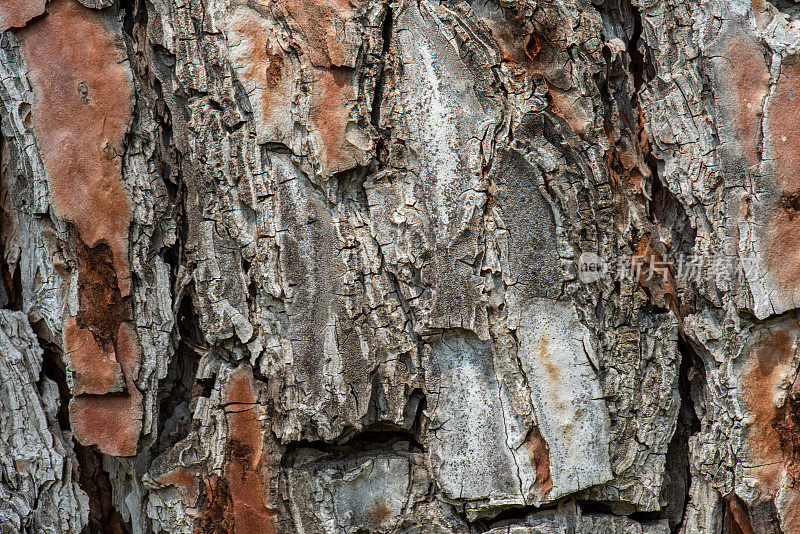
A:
<point x="419" y="266"/>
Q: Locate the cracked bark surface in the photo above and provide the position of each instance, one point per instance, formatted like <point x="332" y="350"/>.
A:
<point x="314" y="266"/>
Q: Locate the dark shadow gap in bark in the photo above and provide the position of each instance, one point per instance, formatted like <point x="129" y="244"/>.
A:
<point x="104" y="518"/>
<point x="10" y="284"/>
<point x="787" y="7"/>
<point x="517" y="516"/>
<point x="678" y="473"/>
<point x="386" y="35"/>
<point x="377" y="439"/>
<point x="135" y="13"/>
<point x="738" y="518"/>
<point x="179" y="390"/>
<point x="10" y="281"/>
<point x="53" y="368"/>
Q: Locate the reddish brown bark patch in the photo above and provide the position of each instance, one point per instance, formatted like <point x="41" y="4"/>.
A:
<point x="783" y="237"/>
<point x="17" y="13"/>
<point x="784" y="127"/>
<point x="768" y="362"/>
<point x="539" y="453"/>
<point x="565" y="105"/>
<point x="783" y="247"/>
<point x="245" y="467"/>
<point x="746" y="72"/>
<point x="82" y="107"/>
<point x="737" y="520"/>
<point x="81" y="112"/>
<point x="179" y="476"/>
<point x="330" y="114"/>
<point x="654" y="274"/>
<point x="217" y="516"/>
<point x="95" y="370"/>
<point x="318" y="23"/>
<point x="265" y="65"/>
<point x="187" y="482"/>
<point x="112" y="422"/>
<point x="376" y="515"/>
<point x="102" y="308"/>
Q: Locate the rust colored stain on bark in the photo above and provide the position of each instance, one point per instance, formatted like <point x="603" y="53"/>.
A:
<point x="539" y="454"/>
<point x="746" y="72"/>
<point x="17" y="13"/>
<point x="330" y="113"/>
<point x="244" y="469"/>
<point x="319" y="22"/>
<point x="565" y="106"/>
<point x="768" y="363"/>
<point x="95" y="368"/>
<point x="784" y="127"/>
<point x="376" y="515"/>
<point x="112" y="422"/>
<point x="217" y="516"/>
<point x="553" y="372"/>
<point x="81" y="113"/>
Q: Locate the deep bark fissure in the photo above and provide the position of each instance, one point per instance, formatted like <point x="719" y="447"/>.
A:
<point x="678" y="457"/>
<point x="178" y="391"/>
<point x="104" y="518"/>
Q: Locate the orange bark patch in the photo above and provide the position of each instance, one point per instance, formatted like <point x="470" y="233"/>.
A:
<point x="517" y="43"/>
<point x="565" y="106"/>
<point x="767" y="365"/>
<point x="539" y="454"/>
<point x="783" y="237"/>
<point x="747" y="74"/>
<point x="319" y="23"/>
<point x="112" y="422"/>
<point x="244" y="468"/>
<point x="81" y="112"/>
<point x="178" y="477"/>
<point x="264" y="61"/>
<point x="784" y="126"/>
<point x="738" y="519"/>
<point x="95" y="369"/>
<point x="16" y="13"/>
<point x="783" y="247"/>
<point x="790" y="510"/>
<point x="553" y="372"/>
<point x="330" y="113"/>
<point x="186" y="480"/>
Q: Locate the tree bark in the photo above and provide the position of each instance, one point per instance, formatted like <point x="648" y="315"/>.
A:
<point x="418" y="266"/>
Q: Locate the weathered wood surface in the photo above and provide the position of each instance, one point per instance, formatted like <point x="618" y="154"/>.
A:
<point x="314" y="266"/>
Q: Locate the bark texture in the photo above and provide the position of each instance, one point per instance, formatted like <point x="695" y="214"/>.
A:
<point x="314" y="266"/>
